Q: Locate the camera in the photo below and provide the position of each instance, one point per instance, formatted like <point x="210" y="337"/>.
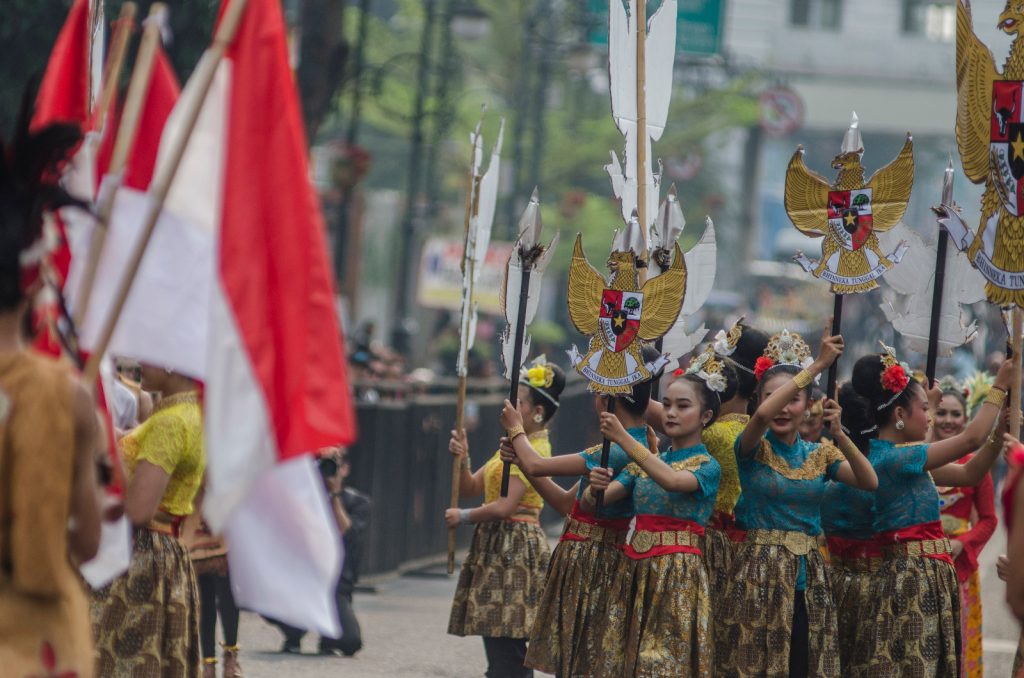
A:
<point x="328" y="467"/>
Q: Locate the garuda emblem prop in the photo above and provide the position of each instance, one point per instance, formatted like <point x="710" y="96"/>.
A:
<point x="990" y="136"/>
<point x="850" y="213"/>
<point x="619" y="314"/>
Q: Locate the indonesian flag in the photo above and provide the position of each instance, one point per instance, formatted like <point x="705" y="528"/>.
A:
<point x="239" y="255"/>
<point x="64" y="91"/>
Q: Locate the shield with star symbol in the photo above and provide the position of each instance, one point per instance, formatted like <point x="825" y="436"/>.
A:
<point x="849" y="217"/>
<point x="1007" y="142"/>
<point x="620" y="318"/>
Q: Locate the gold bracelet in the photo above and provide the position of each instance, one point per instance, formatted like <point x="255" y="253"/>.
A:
<point x="515" y="431"/>
<point x="638" y="452"/>
<point x="588" y="496"/>
<point x="465" y="463"/>
<point x="996" y="396"/>
<point x="802" y="379"/>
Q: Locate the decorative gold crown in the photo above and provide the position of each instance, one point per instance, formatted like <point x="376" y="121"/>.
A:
<point x="709" y="369"/>
<point x="725" y="342"/>
<point x="785" y="348"/>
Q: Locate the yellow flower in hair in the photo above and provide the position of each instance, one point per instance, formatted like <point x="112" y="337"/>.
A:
<point x="540" y="376"/>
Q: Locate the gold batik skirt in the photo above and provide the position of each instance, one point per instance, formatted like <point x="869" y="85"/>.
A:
<point x="753" y="622"/>
<point x="852" y="591"/>
<point x="913" y="618"/>
<point x="659" y="611"/>
<point x="500" y="581"/>
<point x="718" y="551"/>
<point x="146" y="622"/>
<point x="572" y="618"/>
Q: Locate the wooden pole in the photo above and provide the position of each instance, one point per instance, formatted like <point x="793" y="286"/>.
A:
<point x="641" y="124"/>
<point x="134" y="100"/>
<point x="606" y="448"/>
<point x="164" y="176"/>
<point x="123" y="28"/>
<point x="1017" y="324"/>
<point x="468" y="268"/>
<point x="833" y="371"/>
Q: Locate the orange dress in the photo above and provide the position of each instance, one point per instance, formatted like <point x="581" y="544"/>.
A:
<point x="44" y="611"/>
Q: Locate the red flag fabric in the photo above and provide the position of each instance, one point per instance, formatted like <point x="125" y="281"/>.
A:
<point x="64" y="91"/>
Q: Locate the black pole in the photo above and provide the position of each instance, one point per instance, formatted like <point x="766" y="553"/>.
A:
<point x="933" y="329"/>
<point x="606" y="448"/>
<point x="517" y="355"/>
<point x="833" y="371"/>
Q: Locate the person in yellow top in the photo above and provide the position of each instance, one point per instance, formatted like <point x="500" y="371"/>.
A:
<point x="49" y="437"/>
<point x="146" y="622"/>
<point x="502" y="578"/>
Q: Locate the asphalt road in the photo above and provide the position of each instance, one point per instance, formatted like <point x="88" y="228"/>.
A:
<point x="404" y="625"/>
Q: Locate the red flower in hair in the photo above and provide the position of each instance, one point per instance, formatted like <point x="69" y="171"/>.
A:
<point x="679" y="372"/>
<point x="762" y="365"/>
<point x="895" y="379"/>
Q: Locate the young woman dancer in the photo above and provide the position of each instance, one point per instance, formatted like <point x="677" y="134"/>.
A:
<point x="911" y="620"/>
<point x="968" y="516"/>
<point x="509" y="552"/>
<point x="777" y="616"/>
<point x="49" y="438"/>
<point x="661" y="595"/>
<point x="571" y="636"/>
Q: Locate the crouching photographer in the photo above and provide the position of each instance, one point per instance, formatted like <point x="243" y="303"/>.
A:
<point x="352" y="512"/>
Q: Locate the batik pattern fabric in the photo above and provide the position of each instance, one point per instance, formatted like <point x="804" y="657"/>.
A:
<point x="913" y="608"/>
<point x="146" y="622"/>
<point x="44" y="611"/>
<point x="568" y="635"/>
<point x="501" y="581"/>
<point x="720" y="439"/>
<point x="660" y="598"/>
<point x="968" y="515"/>
<point x="783" y="486"/>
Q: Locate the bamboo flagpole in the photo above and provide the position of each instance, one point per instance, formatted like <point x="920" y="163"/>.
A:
<point x="164" y="175"/>
<point x="641" y="127"/>
<point x="468" y="269"/>
<point x="134" y="100"/>
<point x="481" y="201"/>
<point x="123" y="28"/>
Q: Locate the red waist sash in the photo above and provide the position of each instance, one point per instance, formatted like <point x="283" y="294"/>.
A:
<point x="726" y="523"/>
<point x="655" y="535"/>
<point x="926" y="540"/>
<point x="605" y="526"/>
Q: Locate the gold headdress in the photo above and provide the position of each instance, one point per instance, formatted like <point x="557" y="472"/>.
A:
<point x="709" y="369"/>
<point x="725" y="342"/>
<point x="785" y="348"/>
<point x="976" y="389"/>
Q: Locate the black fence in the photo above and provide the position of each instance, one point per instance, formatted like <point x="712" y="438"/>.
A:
<point x="402" y="461"/>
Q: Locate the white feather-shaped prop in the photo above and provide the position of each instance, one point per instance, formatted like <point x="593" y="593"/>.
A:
<point x="907" y="303"/>
<point x="534" y="257"/>
<point x="701" y="266"/>
<point x="480" y="207"/>
<point x="622" y="67"/>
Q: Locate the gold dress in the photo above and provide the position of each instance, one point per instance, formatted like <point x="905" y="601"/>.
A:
<point x="503" y="575"/>
<point x="146" y="621"/>
<point x="573" y="635"/>
<point x="44" y="612"/>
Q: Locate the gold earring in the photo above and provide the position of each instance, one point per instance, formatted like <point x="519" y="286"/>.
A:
<point x="538" y="418"/>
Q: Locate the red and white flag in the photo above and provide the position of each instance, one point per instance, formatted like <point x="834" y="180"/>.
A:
<point x="239" y="253"/>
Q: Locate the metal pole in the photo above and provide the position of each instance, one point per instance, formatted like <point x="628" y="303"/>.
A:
<point x="833" y="371"/>
<point x="940" y="280"/>
<point x="517" y="353"/>
<point x="407" y="261"/>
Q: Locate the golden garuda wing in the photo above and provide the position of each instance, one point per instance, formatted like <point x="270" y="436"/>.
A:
<point x="586" y="287"/>
<point x="975" y="73"/>
<point x="806" y="197"/>
<point x="663" y="299"/>
<point x="890" y="189"/>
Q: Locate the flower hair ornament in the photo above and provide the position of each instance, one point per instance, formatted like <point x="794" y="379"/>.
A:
<point x="785" y="348"/>
<point x="539" y="376"/>
<point x="708" y="368"/>
<point x="725" y="344"/>
<point x="976" y="389"/>
<point x="895" y="375"/>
